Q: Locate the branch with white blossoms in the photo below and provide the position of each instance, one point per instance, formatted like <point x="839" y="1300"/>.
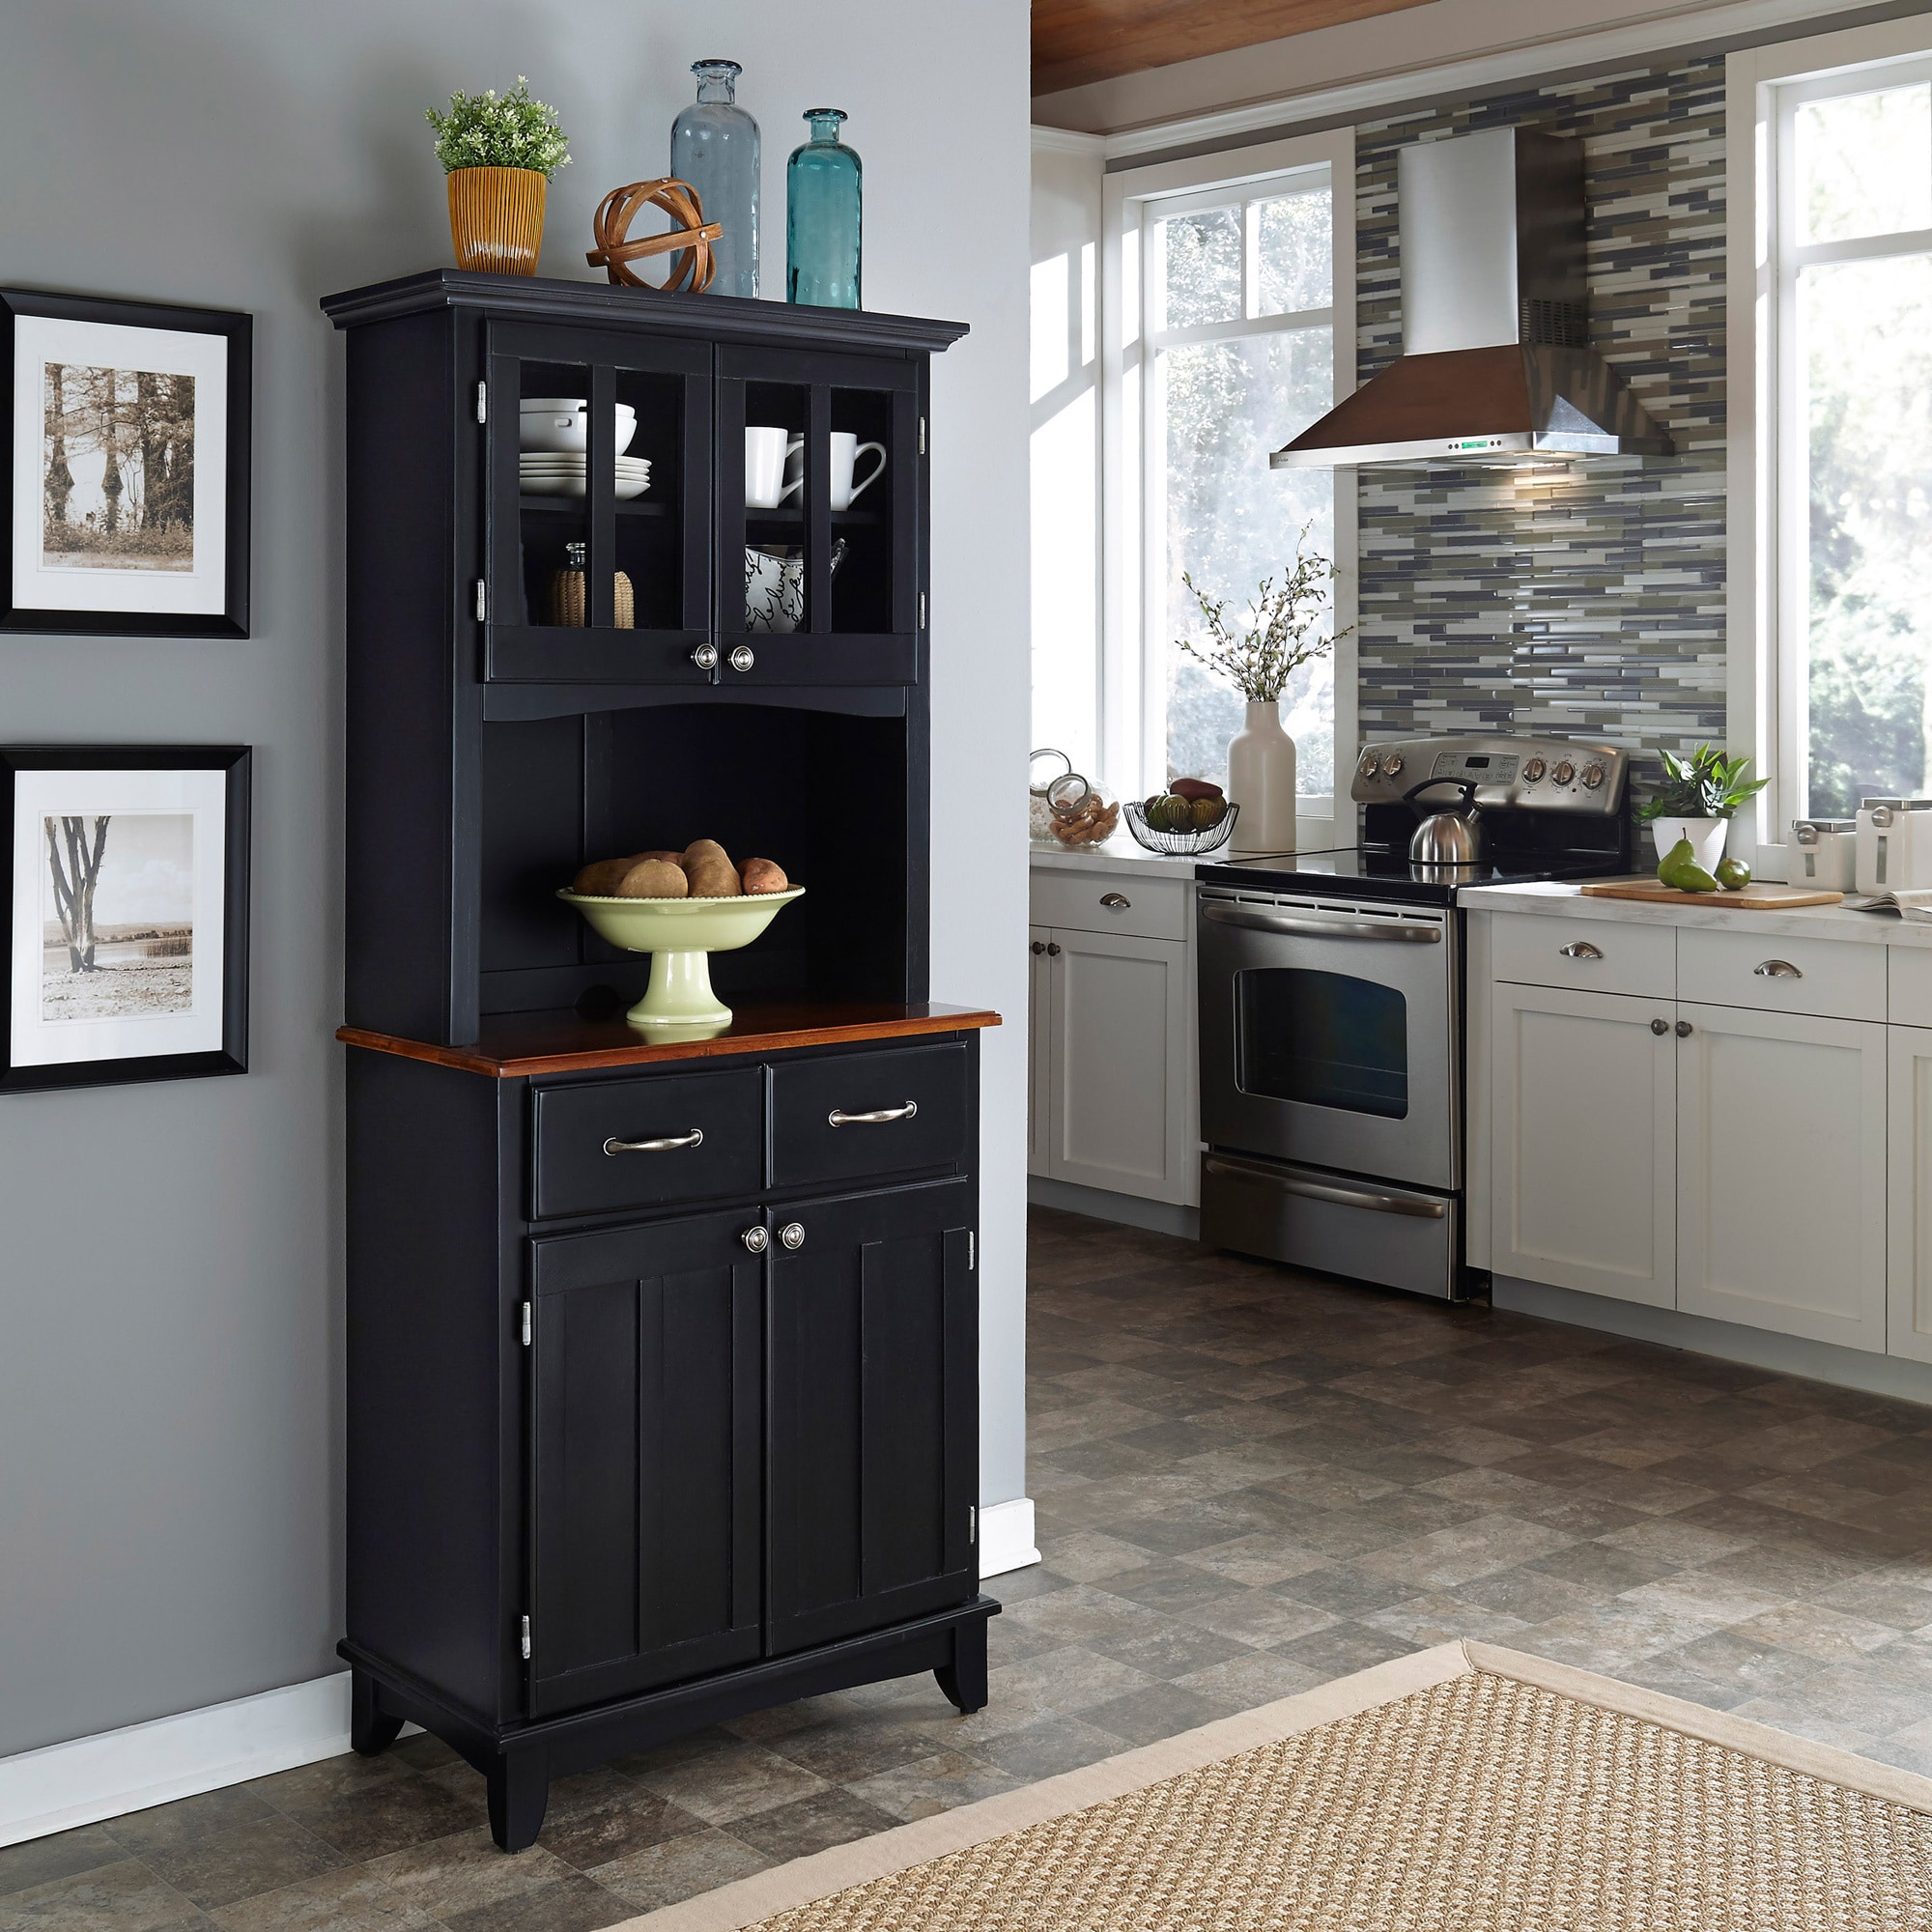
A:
<point x="482" y="130"/>
<point x="1282" y="634"/>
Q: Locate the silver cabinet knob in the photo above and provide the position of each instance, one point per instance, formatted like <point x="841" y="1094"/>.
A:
<point x="1683" y="1029"/>
<point x="1776" y="969"/>
<point x="1660" y="1026"/>
<point x="742" y="658"/>
<point x="792" y="1235"/>
<point x="695" y="1138"/>
<point x="1579" y="949"/>
<point x="1116" y="901"/>
<point x="705" y="657"/>
<point x="757" y="1240"/>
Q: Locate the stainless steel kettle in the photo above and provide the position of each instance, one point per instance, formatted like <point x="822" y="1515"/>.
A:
<point x="1450" y="836"/>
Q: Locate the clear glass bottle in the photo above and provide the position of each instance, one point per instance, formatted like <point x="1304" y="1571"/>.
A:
<point x="822" y="216"/>
<point x="714" y="146"/>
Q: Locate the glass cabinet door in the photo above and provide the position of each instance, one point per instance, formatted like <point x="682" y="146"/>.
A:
<point x="819" y="474"/>
<point x="598" y="494"/>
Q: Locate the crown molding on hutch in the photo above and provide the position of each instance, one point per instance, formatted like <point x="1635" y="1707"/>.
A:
<point x="1667" y="30"/>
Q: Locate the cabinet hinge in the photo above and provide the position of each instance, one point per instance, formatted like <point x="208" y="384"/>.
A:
<point x="922" y="436"/>
<point x="528" y="1318"/>
<point x="482" y="402"/>
<point x="972" y="1250"/>
<point x="526" y="1639"/>
<point x="972" y="1525"/>
<point x="922" y="609"/>
<point x="482" y="602"/>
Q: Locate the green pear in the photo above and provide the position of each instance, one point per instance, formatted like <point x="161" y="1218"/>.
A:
<point x="1680" y="870"/>
<point x="1733" y="874"/>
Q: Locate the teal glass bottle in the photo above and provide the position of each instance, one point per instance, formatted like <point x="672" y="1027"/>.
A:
<point x="822" y="216"/>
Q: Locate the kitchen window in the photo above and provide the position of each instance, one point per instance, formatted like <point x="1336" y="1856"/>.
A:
<point x="1225" y="284"/>
<point x="1834" y="359"/>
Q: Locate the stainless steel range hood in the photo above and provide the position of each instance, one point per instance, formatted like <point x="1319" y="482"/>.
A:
<point x="1494" y="365"/>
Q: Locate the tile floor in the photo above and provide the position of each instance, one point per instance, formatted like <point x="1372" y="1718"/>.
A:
<point x="1248" y="1483"/>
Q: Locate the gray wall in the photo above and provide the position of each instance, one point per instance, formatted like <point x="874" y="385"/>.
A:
<point x="170" y="1255"/>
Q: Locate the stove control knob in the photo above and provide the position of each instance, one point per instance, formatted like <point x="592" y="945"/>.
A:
<point x="1371" y="766"/>
<point x="1593" y="777"/>
<point x="1392" y="764"/>
<point x="1564" y="772"/>
<point x="1533" y="771"/>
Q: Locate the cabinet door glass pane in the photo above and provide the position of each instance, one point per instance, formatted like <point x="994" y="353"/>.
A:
<point x="1326" y="1039"/>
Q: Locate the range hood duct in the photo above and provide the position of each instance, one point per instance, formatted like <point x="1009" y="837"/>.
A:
<point x="1495" y="366"/>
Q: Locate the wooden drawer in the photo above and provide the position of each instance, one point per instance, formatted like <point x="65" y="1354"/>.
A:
<point x="1150" y="908"/>
<point x="1598" y="955"/>
<point x="1909" y="971"/>
<point x="581" y="1169"/>
<point x="809" y="1146"/>
<point x="1836" y="979"/>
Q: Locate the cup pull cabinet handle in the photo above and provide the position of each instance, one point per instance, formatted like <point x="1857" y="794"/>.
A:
<point x="1116" y="901"/>
<point x="1684" y="1029"/>
<point x="1776" y="969"/>
<point x="695" y="1138"/>
<point x="757" y="1240"/>
<point x="792" y="1235"/>
<point x="844" y="1119"/>
<point x="1660" y="1026"/>
<point x="1579" y="949"/>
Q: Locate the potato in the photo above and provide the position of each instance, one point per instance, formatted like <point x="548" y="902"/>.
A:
<point x="763" y="875"/>
<point x="669" y="858"/>
<point x="600" y="879"/>
<point x="713" y="878"/>
<point x="705" y="848"/>
<point x="654" y="879"/>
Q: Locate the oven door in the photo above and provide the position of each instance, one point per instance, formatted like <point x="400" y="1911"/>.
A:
<point x="1329" y="1035"/>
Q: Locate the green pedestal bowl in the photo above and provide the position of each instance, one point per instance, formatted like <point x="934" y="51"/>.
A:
<point x="680" y="935"/>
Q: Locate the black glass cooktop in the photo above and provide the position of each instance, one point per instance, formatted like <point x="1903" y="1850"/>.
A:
<point x="1383" y="872"/>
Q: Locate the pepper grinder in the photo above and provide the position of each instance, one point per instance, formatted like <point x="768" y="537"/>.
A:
<point x="568" y="598"/>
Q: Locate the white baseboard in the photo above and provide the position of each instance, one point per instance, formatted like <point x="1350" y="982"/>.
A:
<point x="1005" y="1536"/>
<point x="80" y="1782"/>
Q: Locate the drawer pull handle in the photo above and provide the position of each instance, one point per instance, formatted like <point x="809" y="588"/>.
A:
<point x="757" y="1240"/>
<point x="792" y="1235"/>
<point x="1116" y="901"/>
<point x="1776" y="969"/>
<point x="843" y="1120"/>
<point x="695" y="1138"/>
<point x="1580" y="949"/>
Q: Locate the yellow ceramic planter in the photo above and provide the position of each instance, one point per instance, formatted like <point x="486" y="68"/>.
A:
<point x="680" y="935"/>
<point x="497" y="219"/>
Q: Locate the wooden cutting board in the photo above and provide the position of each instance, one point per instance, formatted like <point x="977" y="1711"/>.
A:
<point x="1754" y="898"/>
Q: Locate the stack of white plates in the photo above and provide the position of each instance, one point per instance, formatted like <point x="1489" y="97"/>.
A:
<point x="561" y="474"/>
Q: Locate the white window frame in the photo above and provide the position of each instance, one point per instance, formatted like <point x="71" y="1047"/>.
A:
<point x="1766" y="617"/>
<point x="1132" y="664"/>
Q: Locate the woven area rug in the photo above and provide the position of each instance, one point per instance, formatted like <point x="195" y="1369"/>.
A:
<point x="1463" y="1789"/>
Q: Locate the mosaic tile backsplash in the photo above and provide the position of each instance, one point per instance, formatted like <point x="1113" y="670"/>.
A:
<point x="1586" y="598"/>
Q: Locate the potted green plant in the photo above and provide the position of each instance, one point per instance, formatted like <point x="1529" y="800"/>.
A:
<point x="499" y="153"/>
<point x="1281" y="636"/>
<point x="1695" y="801"/>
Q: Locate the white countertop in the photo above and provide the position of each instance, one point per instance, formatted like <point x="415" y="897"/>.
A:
<point x="1834" y="921"/>
<point x="1118" y="854"/>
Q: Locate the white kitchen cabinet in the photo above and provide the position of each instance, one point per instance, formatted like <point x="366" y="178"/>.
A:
<point x="1584" y="1127"/>
<point x="1781" y="1173"/>
<point x="1040" y="1044"/>
<point x="1909" y="1192"/>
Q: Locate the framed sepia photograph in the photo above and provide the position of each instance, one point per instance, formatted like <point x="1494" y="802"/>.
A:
<point x="127" y="897"/>
<point x="126" y="479"/>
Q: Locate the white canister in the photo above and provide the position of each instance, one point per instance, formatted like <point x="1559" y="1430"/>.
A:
<point x="1894" y="845"/>
<point x="1824" y="853"/>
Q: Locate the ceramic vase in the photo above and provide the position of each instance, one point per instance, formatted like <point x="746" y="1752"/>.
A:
<point x="497" y="219"/>
<point x="714" y="146"/>
<point x="1706" y="835"/>
<point x="1261" y="781"/>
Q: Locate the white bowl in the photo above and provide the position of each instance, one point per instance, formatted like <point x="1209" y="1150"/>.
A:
<point x="559" y="429"/>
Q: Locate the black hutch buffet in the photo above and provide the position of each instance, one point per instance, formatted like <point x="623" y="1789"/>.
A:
<point x="663" y="1350"/>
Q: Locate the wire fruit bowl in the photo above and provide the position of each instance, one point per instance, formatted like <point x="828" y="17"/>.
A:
<point x="1179" y="844"/>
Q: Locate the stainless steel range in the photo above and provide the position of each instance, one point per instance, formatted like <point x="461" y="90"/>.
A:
<point x="1331" y="1001"/>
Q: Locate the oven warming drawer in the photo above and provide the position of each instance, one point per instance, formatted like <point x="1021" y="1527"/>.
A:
<point x="1308" y="1218"/>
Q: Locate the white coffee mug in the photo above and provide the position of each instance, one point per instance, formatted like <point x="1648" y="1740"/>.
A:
<point x="766" y="451"/>
<point x="846" y="450"/>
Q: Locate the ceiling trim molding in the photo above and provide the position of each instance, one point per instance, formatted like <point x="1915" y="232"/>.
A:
<point x="1068" y="141"/>
<point x="1664" y="31"/>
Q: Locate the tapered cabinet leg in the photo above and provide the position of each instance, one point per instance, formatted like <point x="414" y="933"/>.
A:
<point x="371" y="1728"/>
<point x="964" y="1679"/>
<point x="519" y="1791"/>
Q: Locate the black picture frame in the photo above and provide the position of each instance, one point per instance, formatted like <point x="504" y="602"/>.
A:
<point x="237" y="329"/>
<point x="235" y="762"/>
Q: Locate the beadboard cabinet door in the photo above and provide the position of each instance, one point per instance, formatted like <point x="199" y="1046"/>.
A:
<point x="1781" y="1173"/>
<point x="1583" y="1160"/>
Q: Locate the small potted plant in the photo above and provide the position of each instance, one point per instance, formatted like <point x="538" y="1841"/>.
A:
<point x="1282" y="635"/>
<point x="499" y="153"/>
<point x="1696" y="800"/>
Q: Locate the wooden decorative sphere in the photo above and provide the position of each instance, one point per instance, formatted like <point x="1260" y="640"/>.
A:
<point x="691" y="237"/>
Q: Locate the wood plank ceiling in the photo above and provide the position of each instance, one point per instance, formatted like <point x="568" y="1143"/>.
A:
<point x="1078" y="41"/>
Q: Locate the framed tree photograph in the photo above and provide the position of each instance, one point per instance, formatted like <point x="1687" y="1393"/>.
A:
<point x="127" y="913"/>
<point x="126" y="476"/>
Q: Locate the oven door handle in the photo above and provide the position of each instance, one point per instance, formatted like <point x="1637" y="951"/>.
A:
<point x="1252" y="919"/>
<point x="1420" y="1208"/>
